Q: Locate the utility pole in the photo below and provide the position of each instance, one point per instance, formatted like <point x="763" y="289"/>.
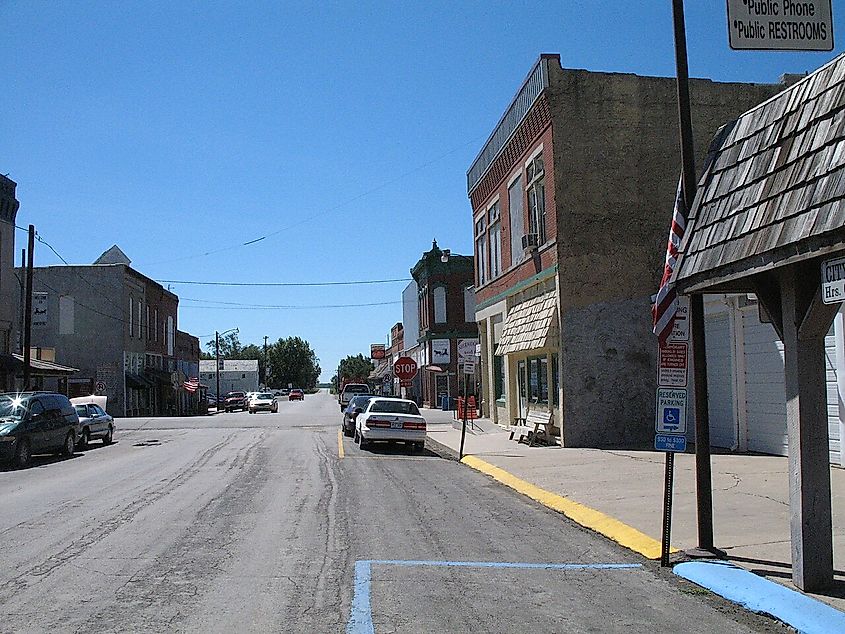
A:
<point x="217" y="368"/>
<point x="22" y="311"/>
<point x="27" y="324"/>
<point x="265" y="360"/>
<point x="703" y="480"/>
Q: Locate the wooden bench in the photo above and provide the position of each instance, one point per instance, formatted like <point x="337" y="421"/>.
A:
<point x="530" y="427"/>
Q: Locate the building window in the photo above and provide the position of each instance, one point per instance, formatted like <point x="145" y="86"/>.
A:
<point x="535" y="177"/>
<point x="131" y="312"/>
<point x="481" y="251"/>
<point x="439" y="304"/>
<point x="170" y="335"/>
<point x="66" y="315"/>
<point x="149" y="334"/>
<point x="469" y="305"/>
<point x="499" y="377"/>
<point x="517" y="224"/>
<point x="139" y="320"/>
<point x="155" y="323"/>
<point x="538" y="385"/>
<point x="555" y="379"/>
<point x="495" y="240"/>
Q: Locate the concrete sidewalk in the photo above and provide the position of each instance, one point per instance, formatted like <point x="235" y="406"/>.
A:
<point x="750" y="495"/>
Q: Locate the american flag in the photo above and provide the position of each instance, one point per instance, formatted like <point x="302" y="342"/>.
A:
<point x="191" y="384"/>
<point x="666" y="304"/>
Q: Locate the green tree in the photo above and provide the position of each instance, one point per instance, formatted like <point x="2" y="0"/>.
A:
<point x="356" y="369"/>
<point x="292" y="360"/>
<point x="230" y="347"/>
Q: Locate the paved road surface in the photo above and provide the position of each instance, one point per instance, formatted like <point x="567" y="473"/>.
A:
<point x="259" y="523"/>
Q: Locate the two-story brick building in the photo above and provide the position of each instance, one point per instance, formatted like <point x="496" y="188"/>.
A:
<point x="446" y="321"/>
<point x="117" y="326"/>
<point x="571" y="196"/>
<point x="9" y="285"/>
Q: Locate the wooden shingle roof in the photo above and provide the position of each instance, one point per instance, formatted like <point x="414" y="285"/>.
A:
<point x="772" y="192"/>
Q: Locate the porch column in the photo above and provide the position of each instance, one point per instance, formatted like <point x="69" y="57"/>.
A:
<point x="806" y="320"/>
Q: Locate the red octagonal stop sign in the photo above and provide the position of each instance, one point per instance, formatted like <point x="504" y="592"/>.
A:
<point x="405" y="368"/>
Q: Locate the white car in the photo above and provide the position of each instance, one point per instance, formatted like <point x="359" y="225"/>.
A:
<point x="262" y="401"/>
<point x="391" y="419"/>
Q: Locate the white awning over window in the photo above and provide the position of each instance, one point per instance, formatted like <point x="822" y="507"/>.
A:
<point x="529" y="325"/>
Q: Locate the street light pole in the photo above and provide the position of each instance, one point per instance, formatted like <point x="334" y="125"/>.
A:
<point x="27" y="323"/>
<point x="217" y="368"/>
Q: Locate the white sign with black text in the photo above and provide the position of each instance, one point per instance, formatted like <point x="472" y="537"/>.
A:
<point x="39" y="310"/>
<point x="833" y="281"/>
<point x="793" y="25"/>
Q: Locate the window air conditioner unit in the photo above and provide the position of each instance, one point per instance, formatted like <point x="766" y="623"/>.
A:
<point x="529" y="241"/>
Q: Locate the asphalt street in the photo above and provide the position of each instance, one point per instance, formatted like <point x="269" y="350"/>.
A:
<point x="273" y="523"/>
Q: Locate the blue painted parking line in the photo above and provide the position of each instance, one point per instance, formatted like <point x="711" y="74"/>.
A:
<point x="361" y="617"/>
<point x="760" y="595"/>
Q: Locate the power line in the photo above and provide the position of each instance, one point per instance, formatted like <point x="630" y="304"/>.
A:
<point x="237" y="306"/>
<point x="345" y="283"/>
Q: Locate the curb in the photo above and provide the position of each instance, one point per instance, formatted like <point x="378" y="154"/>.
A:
<point x="621" y="533"/>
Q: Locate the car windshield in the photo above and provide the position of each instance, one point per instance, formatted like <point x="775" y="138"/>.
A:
<point x="235" y="395"/>
<point x="264" y="395"/>
<point x="395" y="407"/>
<point x="360" y="401"/>
<point x="12" y="408"/>
<point x="351" y="389"/>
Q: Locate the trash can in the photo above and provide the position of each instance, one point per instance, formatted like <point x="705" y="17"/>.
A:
<point x="444" y="402"/>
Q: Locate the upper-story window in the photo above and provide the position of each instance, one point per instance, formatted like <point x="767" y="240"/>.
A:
<point x="494" y="235"/>
<point x="517" y="224"/>
<point x="535" y="188"/>
<point x="469" y="304"/>
<point x="131" y="313"/>
<point x="439" y="304"/>
<point x="139" y="320"/>
<point x="481" y="250"/>
<point x="155" y="323"/>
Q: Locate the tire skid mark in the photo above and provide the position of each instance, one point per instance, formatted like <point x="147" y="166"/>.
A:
<point x="103" y="529"/>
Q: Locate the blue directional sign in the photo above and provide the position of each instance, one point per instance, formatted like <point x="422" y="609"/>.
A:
<point x="670" y="442"/>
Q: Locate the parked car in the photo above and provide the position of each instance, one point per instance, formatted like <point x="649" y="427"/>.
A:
<point x="349" y="390"/>
<point x="391" y="419"/>
<point x="93" y="423"/>
<point x="263" y="401"/>
<point x="296" y="395"/>
<point x="36" y="422"/>
<point x="355" y="407"/>
<point x="235" y="400"/>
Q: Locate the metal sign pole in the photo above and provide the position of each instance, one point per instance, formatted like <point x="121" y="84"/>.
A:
<point x="464" y="420"/>
<point x="667" y="508"/>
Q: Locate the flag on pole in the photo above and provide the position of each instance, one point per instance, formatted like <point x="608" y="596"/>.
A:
<point x="191" y="384"/>
<point x="666" y="304"/>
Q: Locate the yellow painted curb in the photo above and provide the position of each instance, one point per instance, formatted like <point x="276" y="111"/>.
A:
<point x="622" y="534"/>
<point x="340" y="452"/>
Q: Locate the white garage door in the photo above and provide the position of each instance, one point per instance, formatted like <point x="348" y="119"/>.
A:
<point x="720" y="381"/>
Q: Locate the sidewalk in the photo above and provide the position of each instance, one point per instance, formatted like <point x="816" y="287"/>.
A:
<point x="750" y="495"/>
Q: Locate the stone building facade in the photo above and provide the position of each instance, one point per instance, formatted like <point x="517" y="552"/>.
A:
<point x="571" y="199"/>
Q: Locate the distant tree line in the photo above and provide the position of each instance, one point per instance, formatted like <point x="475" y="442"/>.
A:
<point x="288" y="361"/>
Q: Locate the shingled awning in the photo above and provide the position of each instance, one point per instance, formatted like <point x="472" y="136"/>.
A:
<point x="772" y="192"/>
<point x="529" y="325"/>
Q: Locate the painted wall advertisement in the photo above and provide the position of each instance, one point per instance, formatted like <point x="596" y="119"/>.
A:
<point x="39" y="310"/>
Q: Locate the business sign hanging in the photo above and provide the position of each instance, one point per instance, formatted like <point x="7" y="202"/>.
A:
<point x="466" y="350"/>
<point x="786" y="25"/>
<point x="833" y="281"/>
<point x="39" y="310"/>
<point x="441" y="351"/>
<point x="377" y="351"/>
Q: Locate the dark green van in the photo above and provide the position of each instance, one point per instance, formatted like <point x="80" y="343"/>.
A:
<point x="36" y="422"/>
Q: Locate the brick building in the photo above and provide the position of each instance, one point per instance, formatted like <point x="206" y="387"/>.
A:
<point x="117" y="326"/>
<point x="9" y="285"/>
<point x="571" y="198"/>
<point x="446" y="321"/>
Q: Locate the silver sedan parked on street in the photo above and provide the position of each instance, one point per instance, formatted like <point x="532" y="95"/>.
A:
<point x="94" y="423"/>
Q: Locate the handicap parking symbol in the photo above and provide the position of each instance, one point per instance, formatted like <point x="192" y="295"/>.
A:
<point x="671" y="418"/>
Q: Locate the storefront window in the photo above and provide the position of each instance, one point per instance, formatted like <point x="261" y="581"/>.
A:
<point x="555" y="379"/>
<point x="538" y="387"/>
<point x="499" y="377"/>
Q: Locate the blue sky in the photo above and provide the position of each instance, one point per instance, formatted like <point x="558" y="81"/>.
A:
<point x="178" y="128"/>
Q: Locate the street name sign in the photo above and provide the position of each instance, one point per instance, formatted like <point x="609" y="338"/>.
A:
<point x="833" y="281"/>
<point x="671" y="411"/>
<point x="672" y="365"/>
<point x="670" y="442"/>
<point x="791" y="25"/>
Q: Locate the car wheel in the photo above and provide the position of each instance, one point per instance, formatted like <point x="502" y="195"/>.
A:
<point x="69" y="446"/>
<point x="355" y="436"/>
<point x="107" y="439"/>
<point x="84" y="438"/>
<point x="420" y="447"/>
<point x="23" y="454"/>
